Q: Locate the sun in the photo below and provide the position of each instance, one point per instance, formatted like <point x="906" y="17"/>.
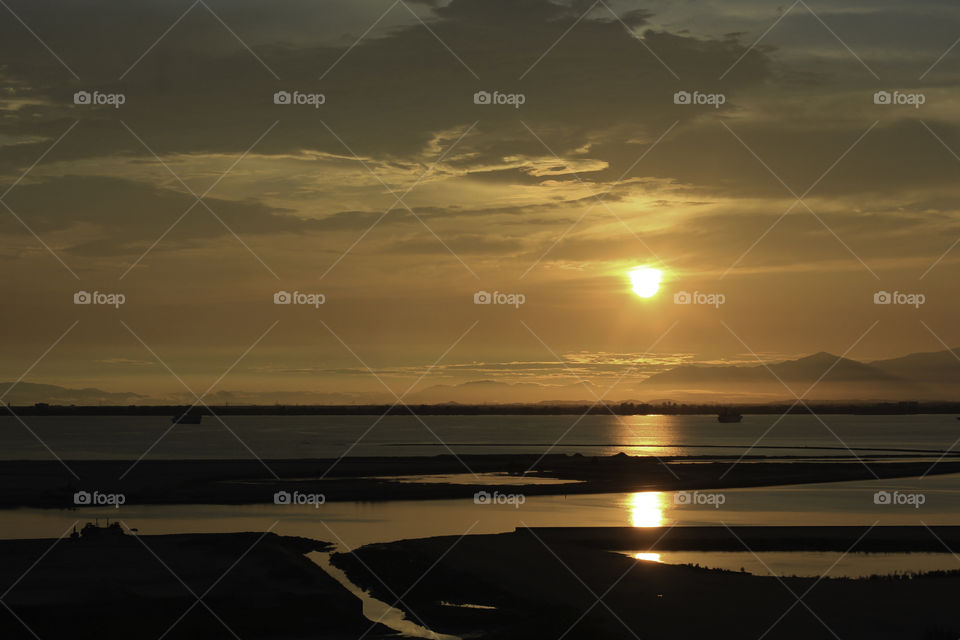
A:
<point x="645" y="280"/>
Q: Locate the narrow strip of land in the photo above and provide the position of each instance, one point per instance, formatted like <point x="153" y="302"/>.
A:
<point x="47" y="484"/>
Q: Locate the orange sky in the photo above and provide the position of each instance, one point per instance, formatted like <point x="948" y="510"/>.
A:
<point x="797" y="199"/>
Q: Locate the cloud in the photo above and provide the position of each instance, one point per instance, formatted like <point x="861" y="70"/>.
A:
<point x="513" y="191"/>
<point x="386" y="97"/>
<point x="121" y="217"/>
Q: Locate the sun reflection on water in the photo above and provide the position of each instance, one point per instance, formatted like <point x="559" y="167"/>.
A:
<point x="652" y="557"/>
<point x="646" y="509"/>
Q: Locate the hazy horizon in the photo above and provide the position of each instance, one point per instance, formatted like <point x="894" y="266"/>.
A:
<point x="817" y="377"/>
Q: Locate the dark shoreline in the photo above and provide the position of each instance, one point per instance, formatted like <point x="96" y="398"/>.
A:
<point x="907" y="407"/>
<point x="48" y="484"/>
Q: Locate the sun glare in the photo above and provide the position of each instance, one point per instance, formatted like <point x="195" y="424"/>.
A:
<point x="645" y="281"/>
<point x="649" y="557"/>
<point x="646" y="509"/>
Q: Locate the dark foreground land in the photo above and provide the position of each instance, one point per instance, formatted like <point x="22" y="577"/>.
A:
<point x="544" y="583"/>
<point x="557" y="583"/>
<point x="120" y="586"/>
<point x="48" y="484"/>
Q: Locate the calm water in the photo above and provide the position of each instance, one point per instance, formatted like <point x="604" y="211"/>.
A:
<point x="351" y="524"/>
<point x="377" y="610"/>
<point x="832" y="564"/>
<point x="333" y="436"/>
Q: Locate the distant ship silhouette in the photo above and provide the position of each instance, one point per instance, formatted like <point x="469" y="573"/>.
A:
<point x="729" y="415"/>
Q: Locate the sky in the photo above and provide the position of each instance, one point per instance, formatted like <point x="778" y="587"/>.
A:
<point x="787" y="188"/>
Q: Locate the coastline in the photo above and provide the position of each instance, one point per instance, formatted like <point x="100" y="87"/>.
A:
<point x="851" y="407"/>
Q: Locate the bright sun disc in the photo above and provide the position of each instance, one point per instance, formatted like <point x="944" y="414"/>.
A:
<point x="645" y="281"/>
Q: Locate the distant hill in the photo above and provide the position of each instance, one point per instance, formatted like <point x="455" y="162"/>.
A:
<point x="934" y="366"/>
<point x="933" y="375"/>
<point x="505" y="392"/>
<point x="31" y="392"/>
<point x="917" y="376"/>
<point x="27" y="393"/>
